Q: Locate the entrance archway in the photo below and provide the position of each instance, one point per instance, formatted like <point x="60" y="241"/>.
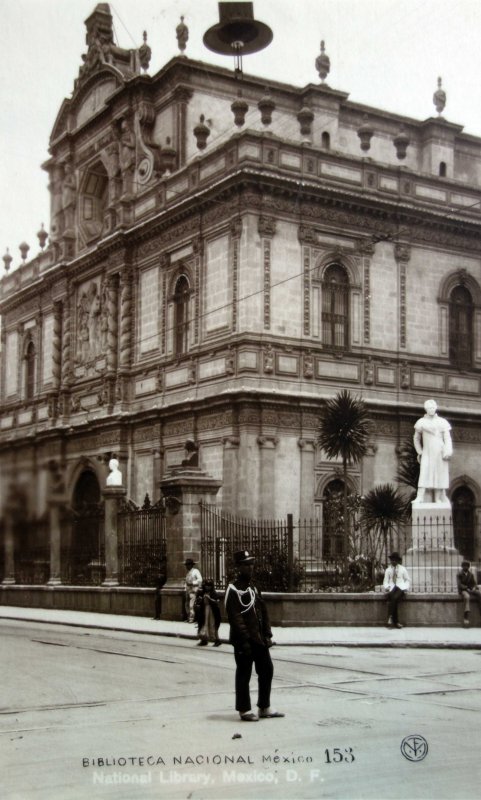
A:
<point x="463" y="507"/>
<point x="87" y="545"/>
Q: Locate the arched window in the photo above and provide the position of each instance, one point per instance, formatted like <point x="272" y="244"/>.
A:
<point x="335" y="307"/>
<point x="333" y="544"/>
<point x="326" y="140"/>
<point x="461" y="327"/>
<point x="463" y="504"/>
<point x="30" y="371"/>
<point x="442" y="169"/>
<point x="181" y="315"/>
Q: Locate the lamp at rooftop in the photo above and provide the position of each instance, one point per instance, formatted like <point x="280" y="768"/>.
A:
<point x="237" y="33"/>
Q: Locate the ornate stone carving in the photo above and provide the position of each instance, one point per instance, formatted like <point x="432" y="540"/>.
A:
<point x="308" y="365"/>
<point x="268" y="364"/>
<point x="402" y="252"/>
<point x="89" y="343"/>
<point x="56" y="344"/>
<point x="266" y="226"/>
<point x="125" y="319"/>
<point x="307" y="235"/>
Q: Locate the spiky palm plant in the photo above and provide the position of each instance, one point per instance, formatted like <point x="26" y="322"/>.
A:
<point x="408" y="471"/>
<point x="382" y="509"/>
<point x="344" y="430"/>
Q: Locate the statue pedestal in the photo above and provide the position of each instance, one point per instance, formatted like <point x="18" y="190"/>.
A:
<point x="432" y="561"/>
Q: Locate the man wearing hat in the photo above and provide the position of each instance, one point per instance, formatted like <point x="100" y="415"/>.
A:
<point x="396" y="583"/>
<point x="193" y="580"/>
<point x="251" y="637"/>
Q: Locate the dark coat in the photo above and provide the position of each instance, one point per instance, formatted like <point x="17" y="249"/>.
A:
<point x="247" y="626"/>
<point x="466" y="581"/>
<point x="199" y="607"/>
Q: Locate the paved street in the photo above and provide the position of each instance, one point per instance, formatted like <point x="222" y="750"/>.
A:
<point x="94" y="714"/>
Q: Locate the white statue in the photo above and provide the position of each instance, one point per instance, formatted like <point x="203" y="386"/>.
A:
<point x="432" y="441"/>
<point x="115" y="477"/>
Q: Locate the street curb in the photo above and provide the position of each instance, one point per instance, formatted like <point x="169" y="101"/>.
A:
<point x="172" y="635"/>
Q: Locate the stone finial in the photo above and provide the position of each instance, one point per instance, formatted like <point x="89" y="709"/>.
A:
<point x="323" y="63"/>
<point x="239" y="108"/>
<point x="266" y="106"/>
<point x="7" y="260"/>
<point x="305" y="118"/>
<point x="42" y="236"/>
<point x="201" y="132"/>
<point x="182" y="33"/>
<point x="365" y="133"/>
<point x="145" y="53"/>
<point x="401" y="142"/>
<point x="439" y="97"/>
<point x="24" y="248"/>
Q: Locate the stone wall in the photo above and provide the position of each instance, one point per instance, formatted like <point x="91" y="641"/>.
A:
<point x="286" y="610"/>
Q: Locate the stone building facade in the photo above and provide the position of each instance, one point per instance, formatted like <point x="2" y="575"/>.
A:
<point x="218" y="265"/>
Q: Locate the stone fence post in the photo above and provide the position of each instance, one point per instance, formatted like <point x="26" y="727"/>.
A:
<point x="183" y="490"/>
<point x="112" y="496"/>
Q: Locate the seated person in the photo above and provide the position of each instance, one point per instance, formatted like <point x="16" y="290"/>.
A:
<point x="467" y="588"/>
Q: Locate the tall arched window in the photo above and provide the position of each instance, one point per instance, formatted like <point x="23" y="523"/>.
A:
<point x="181" y="315"/>
<point x="326" y="140"/>
<point x="463" y="503"/>
<point x="333" y="543"/>
<point x="442" y="169"/>
<point x="30" y="371"/>
<point x="335" y="307"/>
<point x="461" y="327"/>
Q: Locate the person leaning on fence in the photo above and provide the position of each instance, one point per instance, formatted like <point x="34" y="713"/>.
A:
<point x="193" y="580"/>
<point x="207" y="613"/>
<point x="468" y="589"/>
<point x="396" y="583"/>
<point x="251" y="637"/>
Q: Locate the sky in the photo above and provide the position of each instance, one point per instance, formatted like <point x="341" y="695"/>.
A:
<point x="384" y="53"/>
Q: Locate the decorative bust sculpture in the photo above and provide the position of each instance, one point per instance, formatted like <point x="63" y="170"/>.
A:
<point x="432" y="441"/>
<point x="115" y="477"/>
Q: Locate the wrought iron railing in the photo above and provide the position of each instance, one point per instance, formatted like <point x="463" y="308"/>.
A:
<point x="141" y="543"/>
<point x="291" y="556"/>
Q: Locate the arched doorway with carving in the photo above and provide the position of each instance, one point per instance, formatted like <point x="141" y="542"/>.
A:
<point x="86" y="557"/>
<point x="464" y="521"/>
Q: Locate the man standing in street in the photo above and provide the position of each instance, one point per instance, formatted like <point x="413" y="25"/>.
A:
<point x="251" y="637"/>
<point x="193" y="580"/>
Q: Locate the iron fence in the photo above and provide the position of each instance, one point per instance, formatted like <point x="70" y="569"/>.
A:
<point x="32" y="551"/>
<point x="270" y="541"/>
<point x="292" y="556"/>
<point x="82" y="554"/>
<point x="141" y="543"/>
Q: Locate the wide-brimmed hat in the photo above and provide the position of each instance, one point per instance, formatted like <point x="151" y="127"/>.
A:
<point x="189" y="562"/>
<point x="243" y="557"/>
<point x="395" y="557"/>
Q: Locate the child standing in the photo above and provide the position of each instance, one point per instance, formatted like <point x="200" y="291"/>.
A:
<point x="207" y="614"/>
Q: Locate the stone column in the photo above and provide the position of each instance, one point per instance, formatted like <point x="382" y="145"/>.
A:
<point x="56" y="504"/>
<point x="307" y="448"/>
<point x="183" y="490"/>
<point x="9" y="545"/>
<point x="231" y="474"/>
<point x="267" y="445"/>
<point x="112" y="496"/>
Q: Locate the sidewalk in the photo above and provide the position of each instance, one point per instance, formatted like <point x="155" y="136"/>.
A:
<point x="455" y="638"/>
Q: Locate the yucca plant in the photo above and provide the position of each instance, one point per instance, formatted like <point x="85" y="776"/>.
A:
<point x="383" y="509"/>
<point x="344" y="430"/>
